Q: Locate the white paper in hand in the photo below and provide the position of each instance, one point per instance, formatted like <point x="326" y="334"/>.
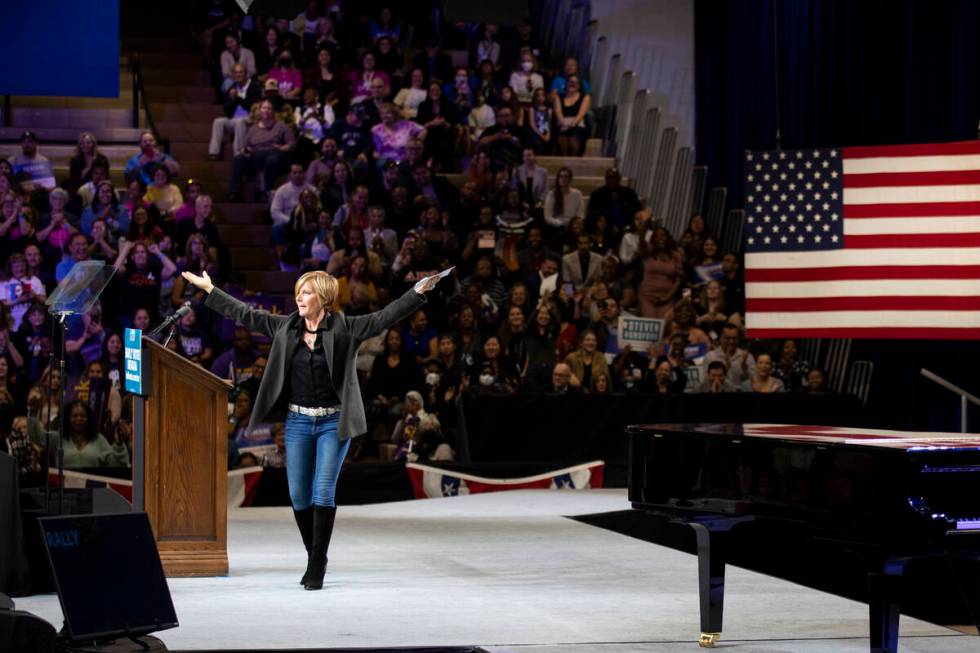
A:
<point x="424" y="284"/>
<point x="549" y="285"/>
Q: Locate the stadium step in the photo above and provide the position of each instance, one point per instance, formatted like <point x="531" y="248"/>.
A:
<point x="254" y="258"/>
<point x="181" y="112"/>
<point x="593" y="147"/>
<point x="177" y="131"/>
<point x="206" y="168"/>
<point x="270" y="281"/>
<point x="234" y="235"/>
<point x="242" y="214"/>
<point x="191" y="151"/>
<point x="70" y="135"/>
<point x="586" y="166"/>
<point x="156" y="77"/>
<point x="71" y="117"/>
<point x="159" y="62"/>
<point x="161" y="45"/>
<point x="180" y="93"/>
<point x="20" y="102"/>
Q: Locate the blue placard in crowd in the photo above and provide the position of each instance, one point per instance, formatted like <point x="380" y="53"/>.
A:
<point x="133" y="354"/>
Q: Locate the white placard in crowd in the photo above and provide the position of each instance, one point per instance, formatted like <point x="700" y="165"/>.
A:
<point x="639" y="332"/>
<point x="693" y="378"/>
<point x="548" y="285"/>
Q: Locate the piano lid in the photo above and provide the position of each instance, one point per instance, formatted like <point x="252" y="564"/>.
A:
<point x="836" y="435"/>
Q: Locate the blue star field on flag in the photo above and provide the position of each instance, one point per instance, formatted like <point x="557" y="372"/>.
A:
<point x="794" y="200"/>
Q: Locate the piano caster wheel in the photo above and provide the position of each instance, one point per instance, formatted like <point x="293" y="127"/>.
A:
<point x="708" y="640"/>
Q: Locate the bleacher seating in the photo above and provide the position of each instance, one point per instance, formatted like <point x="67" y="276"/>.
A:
<point x="631" y="131"/>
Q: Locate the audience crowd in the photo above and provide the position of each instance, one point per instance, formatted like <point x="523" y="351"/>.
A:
<point x="347" y="126"/>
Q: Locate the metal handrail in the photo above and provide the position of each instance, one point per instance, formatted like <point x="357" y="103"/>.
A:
<point x="140" y="99"/>
<point x="955" y="389"/>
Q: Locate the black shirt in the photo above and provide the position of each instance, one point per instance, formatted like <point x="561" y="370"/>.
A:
<point x="353" y="140"/>
<point x="310" y="383"/>
<point x="584" y="258"/>
<point x="187" y="228"/>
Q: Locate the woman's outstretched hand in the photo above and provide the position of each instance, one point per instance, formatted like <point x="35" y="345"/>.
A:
<point x="203" y="281"/>
<point x="427" y="284"/>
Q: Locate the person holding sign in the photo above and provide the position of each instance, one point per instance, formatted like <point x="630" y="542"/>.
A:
<point x="311" y="371"/>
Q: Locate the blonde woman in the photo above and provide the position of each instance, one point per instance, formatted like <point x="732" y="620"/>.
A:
<point x="311" y="370"/>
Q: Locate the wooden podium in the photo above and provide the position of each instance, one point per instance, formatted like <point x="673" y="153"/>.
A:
<point x="182" y="483"/>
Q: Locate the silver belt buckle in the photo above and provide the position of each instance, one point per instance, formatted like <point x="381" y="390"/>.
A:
<point x="312" y="412"/>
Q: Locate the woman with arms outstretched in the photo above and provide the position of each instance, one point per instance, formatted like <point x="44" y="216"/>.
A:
<point x="312" y="375"/>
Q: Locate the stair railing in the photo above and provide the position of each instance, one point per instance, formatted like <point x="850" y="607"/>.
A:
<point x="965" y="397"/>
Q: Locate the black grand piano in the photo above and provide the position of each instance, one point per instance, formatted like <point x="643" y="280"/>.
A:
<point x="884" y="501"/>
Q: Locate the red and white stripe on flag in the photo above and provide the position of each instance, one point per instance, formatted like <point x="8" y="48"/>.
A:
<point x="242" y="484"/>
<point x="79" y="480"/>
<point x="906" y="263"/>
<point x="429" y="481"/>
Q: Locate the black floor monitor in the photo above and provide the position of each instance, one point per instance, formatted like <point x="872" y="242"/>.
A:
<point x="108" y="574"/>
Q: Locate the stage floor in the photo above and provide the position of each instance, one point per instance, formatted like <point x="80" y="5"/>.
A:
<point x="506" y="571"/>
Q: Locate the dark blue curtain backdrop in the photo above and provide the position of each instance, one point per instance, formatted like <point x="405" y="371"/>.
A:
<point x="851" y="72"/>
<point x="60" y="47"/>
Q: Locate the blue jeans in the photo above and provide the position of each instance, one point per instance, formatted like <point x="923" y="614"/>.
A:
<point x="314" y="455"/>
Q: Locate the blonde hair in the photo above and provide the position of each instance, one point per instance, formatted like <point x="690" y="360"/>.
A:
<point x="323" y="285"/>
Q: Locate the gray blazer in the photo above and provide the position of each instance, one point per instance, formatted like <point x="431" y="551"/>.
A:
<point x="571" y="269"/>
<point x="340" y="342"/>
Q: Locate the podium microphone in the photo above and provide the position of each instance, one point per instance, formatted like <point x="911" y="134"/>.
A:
<point x="179" y="313"/>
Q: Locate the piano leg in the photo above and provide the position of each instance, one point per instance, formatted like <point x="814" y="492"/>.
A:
<point x="884" y="610"/>
<point x="711" y="580"/>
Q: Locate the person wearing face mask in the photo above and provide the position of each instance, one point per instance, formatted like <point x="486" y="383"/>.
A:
<point x="433" y="377"/>
<point x="524" y="80"/>
<point x="289" y="76"/>
<point x="311" y="372"/>
<point x="459" y="91"/>
<point x="494" y="373"/>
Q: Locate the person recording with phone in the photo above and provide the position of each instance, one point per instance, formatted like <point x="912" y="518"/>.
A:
<point x="311" y="373"/>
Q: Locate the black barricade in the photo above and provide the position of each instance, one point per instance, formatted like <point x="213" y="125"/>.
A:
<point x="562" y="429"/>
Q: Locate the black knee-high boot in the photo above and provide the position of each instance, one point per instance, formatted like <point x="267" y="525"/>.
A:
<point x="304" y="520"/>
<point x="323" y="518"/>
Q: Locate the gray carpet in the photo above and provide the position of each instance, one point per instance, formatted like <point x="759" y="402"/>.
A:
<point x="506" y="571"/>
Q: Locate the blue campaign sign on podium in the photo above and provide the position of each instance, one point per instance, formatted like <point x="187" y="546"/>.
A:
<point x="133" y="354"/>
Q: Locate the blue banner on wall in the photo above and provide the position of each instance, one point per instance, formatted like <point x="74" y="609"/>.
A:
<point x="60" y="47"/>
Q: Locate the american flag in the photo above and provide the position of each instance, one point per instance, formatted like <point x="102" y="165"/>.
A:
<point x="864" y="242"/>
